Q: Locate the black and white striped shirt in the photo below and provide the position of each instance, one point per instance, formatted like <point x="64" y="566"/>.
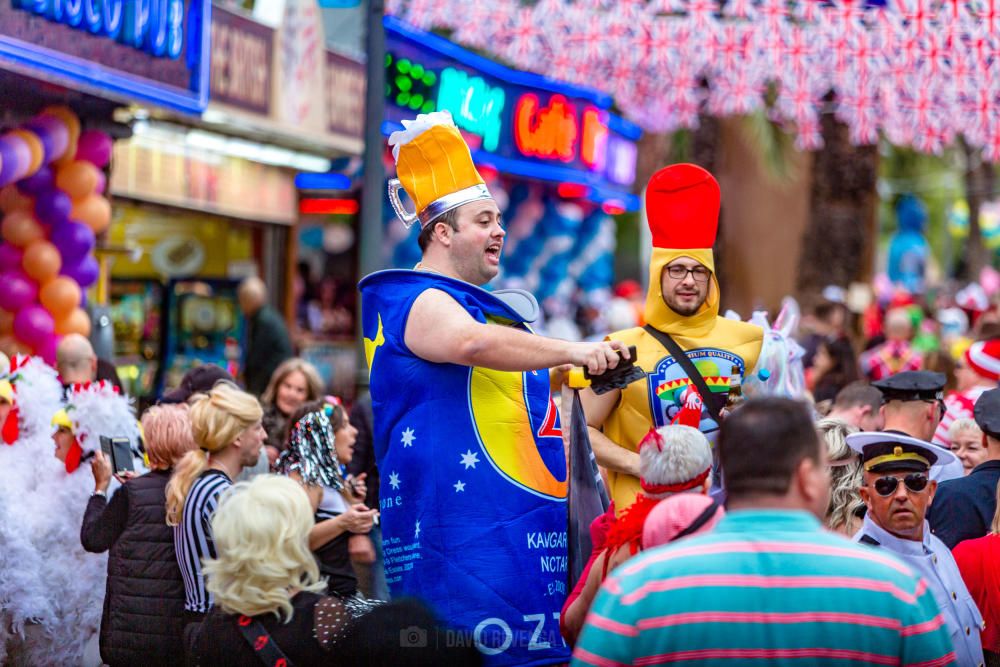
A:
<point x="193" y="536"/>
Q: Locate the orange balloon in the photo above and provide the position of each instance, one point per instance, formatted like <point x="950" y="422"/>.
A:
<point x="76" y="322"/>
<point x="21" y="229"/>
<point x="6" y="322"/>
<point x="60" y="296"/>
<point x="41" y="261"/>
<point x="11" y="346"/>
<point x="77" y="179"/>
<point x="94" y="211"/>
<point x="11" y="199"/>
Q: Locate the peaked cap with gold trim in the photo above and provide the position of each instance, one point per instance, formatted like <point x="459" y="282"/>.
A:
<point x="434" y="167"/>
<point x="883" y="451"/>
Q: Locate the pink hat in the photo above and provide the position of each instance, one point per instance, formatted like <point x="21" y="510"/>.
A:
<point x="680" y="516"/>
<point x="984" y="358"/>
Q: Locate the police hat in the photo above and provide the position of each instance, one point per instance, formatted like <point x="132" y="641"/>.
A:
<point x="912" y="386"/>
<point x="987" y="412"/>
<point x="882" y="451"/>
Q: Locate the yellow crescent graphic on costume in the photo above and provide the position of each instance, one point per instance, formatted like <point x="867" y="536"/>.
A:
<point x="504" y="427"/>
<point x="372" y="345"/>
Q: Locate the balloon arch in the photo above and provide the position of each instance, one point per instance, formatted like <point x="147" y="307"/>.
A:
<point x="51" y="185"/>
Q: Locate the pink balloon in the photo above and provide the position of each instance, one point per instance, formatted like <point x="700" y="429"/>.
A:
<point x="102" y="183"/>
<point x="18" y="291"/>
<point x="94" y="147"/>
<point x="32" y="325"/>
<point x="10" y="256"/>
<point x="47" y="348"/>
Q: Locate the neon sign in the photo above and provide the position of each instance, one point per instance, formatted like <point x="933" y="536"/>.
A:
<point x="545" y="132"/>
<point x="593" y="147"/>
<point x="475" y="105"/>
<point x="153" y="26"/>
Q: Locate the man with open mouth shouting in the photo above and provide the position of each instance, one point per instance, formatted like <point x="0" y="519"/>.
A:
<point x="466" y="433"/>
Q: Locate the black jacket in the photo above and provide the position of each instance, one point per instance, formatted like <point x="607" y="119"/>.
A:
<point x="963" y="508"/>
<point x="144" y="603"/>
<point x="268" y="345"/>
<point x="363" y="459"/>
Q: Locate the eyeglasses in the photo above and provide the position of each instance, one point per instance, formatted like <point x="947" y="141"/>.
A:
<point x="915" y="482"/>
<point x="699" y="273"/>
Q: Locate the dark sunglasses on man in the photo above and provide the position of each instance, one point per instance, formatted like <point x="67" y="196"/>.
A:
<point x="886" y="486"/>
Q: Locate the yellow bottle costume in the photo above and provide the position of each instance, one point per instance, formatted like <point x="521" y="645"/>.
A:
<point x="682" y="206"/>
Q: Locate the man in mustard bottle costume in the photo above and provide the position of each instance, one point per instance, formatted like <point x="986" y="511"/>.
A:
<point x="682" y="206"/>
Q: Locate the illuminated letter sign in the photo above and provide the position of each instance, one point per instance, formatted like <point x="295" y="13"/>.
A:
<point x="474" y="104"/>
<point x="547" y="132"/>
<point x="153" y="26"/>
<point x="593" y="147"/>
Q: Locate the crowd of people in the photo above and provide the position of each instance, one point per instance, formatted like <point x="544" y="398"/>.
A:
<point x="767" y="502"/>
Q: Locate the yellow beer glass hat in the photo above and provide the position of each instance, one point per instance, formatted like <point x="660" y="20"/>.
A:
<point x="434" y="166"/>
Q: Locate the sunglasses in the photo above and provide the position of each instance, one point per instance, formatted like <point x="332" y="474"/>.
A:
<point x="886" y="486"/>
<point x="942" y="406"/>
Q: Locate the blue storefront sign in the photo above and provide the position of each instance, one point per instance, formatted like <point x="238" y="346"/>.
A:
<point x="154" y="51"/>
<point x="519" y="123"/>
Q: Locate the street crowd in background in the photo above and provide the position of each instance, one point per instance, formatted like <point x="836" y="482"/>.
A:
<point x="825" y="493"/>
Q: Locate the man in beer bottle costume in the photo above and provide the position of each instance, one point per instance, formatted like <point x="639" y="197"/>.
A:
<point x="682" y="207"/>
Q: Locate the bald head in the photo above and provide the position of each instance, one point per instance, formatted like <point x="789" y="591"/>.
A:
<point x="76" y="360"/>
<point x="252" y="294"/>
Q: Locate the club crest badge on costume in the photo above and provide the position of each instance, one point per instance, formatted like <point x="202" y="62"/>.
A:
<point x="669" y="387"/>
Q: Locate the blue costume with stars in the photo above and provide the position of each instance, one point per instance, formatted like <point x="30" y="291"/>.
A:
<point x="473" y="497"/>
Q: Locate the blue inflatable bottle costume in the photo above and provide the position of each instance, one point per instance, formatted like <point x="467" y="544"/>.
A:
<point x="474" y="480"/>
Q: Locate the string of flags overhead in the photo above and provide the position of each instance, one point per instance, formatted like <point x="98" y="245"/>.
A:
<point x="921" y="72"/>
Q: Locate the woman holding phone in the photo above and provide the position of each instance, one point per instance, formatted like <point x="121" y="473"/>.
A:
<point x="144" y="602"/>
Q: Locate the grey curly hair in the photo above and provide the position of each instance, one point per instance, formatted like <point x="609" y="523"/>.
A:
<point x="845" y="472"/>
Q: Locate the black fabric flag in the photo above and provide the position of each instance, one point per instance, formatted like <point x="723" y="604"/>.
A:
<point x="588" y="499"/>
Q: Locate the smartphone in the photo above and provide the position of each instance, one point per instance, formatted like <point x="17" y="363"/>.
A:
<point x="119" y="452"/>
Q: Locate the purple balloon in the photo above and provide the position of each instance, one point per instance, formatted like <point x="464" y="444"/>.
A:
<point x="10" y="256"/>
<point x="39" y="182"/>
<point x="84" y="271"/>
<point x="53" y="134"/>
<point x="33" y="324"/>
<point x="18" y="290"/>
<point x="74" y="240"/>
<point x="94" y="146"/>
<point x="8" y="162"/>
<point x="52" y="206"/>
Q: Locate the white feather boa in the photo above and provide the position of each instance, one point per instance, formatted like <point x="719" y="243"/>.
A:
<point x="45" y="575"/>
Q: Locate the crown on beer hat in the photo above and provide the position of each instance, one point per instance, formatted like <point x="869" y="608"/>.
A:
<point x="434" y="166"/>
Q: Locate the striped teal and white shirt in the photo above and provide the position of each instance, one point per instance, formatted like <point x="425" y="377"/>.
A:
<point x="765" y="587"/>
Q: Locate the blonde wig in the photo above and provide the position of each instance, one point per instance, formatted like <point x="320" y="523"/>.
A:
<point x="313" y="381"/>
<point x="963" y="424"/>
<point x="846" y="475"/>
<point x="167" y="433"/>
<point x="261" y="532"/>
<point x="217" y="419"/>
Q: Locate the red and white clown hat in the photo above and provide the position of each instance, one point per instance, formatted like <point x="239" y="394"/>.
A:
<point x="984" y="358"/>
